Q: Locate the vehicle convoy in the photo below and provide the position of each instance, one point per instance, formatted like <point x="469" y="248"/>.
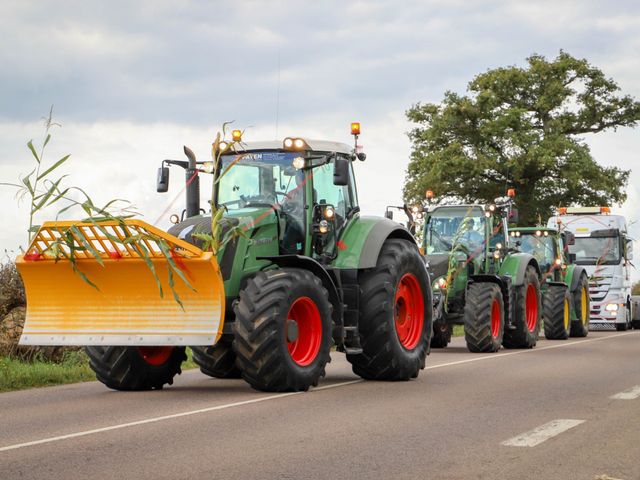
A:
<point x="305" y="271"/>
<point x="480" y="280"/>
<point x="565" y="286"/>
<point x="602" y="246"/>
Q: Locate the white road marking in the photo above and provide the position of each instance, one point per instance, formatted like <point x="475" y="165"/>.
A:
<point x="542" y="433"/>
<point x="281" y="395"/>
<point x="630" y="394"/>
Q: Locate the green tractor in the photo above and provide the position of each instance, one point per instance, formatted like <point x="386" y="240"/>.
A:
<point x="305" y="272"/>
<point x="480" y="279"/>
<point x="565" y="286"/>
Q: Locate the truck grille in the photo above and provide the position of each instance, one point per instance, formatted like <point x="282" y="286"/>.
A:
<point x="598" y="289"/>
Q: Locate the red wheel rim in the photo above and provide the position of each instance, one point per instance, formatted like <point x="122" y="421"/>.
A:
<point x="155" y="355"/>
<point x="409" y="311"/>
<point x="304" y="349"/>
<point x="496" y="315"/>
<point x="531" y="308"/>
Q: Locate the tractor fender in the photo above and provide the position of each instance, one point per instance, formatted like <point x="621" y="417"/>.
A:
<point x="578" y="271"/>
<point x="380" y="232"/>
<point x="515" y="266"/>
<point x="307" y="263"/>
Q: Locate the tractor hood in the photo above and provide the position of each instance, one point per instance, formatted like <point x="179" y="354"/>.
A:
<point x="246" y="219"/>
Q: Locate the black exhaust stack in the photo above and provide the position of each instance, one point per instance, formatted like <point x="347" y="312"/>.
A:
<point x="192" y="184"/>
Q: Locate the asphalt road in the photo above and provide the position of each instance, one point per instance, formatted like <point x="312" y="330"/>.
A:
<point x="459" y="420"/>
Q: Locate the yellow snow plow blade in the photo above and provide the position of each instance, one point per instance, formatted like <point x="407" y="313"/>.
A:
<point x="126" y="308"/>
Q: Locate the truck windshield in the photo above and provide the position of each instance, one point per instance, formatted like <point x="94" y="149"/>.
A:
<point x="597" y="250"/>
<point x="259" y="179"/>
<point x="445" y="225"/>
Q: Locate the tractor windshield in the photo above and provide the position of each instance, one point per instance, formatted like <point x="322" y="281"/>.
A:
<point x="541" y="247"/>
<point x="259" y="179"/>
<point x="461" y="225"/>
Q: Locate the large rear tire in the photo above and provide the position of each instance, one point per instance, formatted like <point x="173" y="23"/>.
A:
<point x="557" y="313"/>
<point x="395" y="316"/>
<point x="441" y="334"/>
<point x="136" y="368"/>
<point x="528" y="313"/>
<point x="483" y="317"/>
<point x="283" y="330"/>
<point x="582" y="307"/>
<point x="218" y="360"/>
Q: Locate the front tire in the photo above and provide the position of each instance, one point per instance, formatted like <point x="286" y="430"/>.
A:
<point x="557" y="313"/>
<point x="283" y="330"/>
<point x="136" y="368"/>
<point x="218" y="361"/>
<point x="528" y="313"/>
<point x="484" y="317"/>
<point x="582" y="307"/>
<point x="395" y="316"/>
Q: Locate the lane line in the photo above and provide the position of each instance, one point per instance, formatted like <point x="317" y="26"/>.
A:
<point x="167" y="417"/>
<point x="630" y="394"/>
<point x="280" y="395"/>
<point x="531" y="350"/>
<point x="542" y="433"/>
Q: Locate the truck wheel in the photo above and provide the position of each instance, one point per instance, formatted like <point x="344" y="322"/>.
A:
<point x="441" y="335"/>
<point x="528" y="313"/>
<point x="557" y="313"/>
<point x="283" y="330"/>
<point x="395" y="316"/>
<point x="582" y="307"/>
<point x="484" y="317"/>
<point x="136" y="368"/>
<point x="623" y="327"/>
<point x="218" y="360"/>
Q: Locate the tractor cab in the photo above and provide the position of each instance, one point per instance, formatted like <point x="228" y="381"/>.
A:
<point x="293" y="197"/>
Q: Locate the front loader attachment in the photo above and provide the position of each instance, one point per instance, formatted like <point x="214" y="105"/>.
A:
<point x="125" y="306"/>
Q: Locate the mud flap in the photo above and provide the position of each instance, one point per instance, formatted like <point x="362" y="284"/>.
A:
<point x="126" y="308"/>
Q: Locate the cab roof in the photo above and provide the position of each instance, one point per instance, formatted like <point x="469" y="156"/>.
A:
<point x="316" y="146"/>
<point x="534" y="229"/>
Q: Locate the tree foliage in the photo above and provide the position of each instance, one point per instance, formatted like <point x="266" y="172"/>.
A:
<point x="522" y="128"/>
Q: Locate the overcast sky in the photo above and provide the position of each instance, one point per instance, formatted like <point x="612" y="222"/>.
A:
<point x="133" y="81"/>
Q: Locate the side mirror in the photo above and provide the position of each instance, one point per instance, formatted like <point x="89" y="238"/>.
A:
<point x="572" y="258"/>
<point x="629" y="249"/>
<point x="388" y="214"/>
<point x="513" y="216"/>
<point x="570" y="238"/>
<point x="162" y="184"/>
<point x="341" y="171"/>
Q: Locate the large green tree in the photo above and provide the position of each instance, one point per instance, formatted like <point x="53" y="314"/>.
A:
<point x="522" y="128"/>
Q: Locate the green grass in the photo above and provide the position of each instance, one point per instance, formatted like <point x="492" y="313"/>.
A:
<point x="18" y="375"/>
<point x="74" y="367"/>
<point x="458" y="330"/>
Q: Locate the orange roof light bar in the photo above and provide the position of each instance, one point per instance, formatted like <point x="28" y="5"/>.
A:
<point x="605" y="210"/>
<point x="511" y="193"/>
<point x="429" y="194"/>
<point x="562" y="211"/>
<point x="355" y="128"/>
<point x="236" y="135"/>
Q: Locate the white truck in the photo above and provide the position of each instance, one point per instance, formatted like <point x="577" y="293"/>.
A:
<point x="603" y="247"/>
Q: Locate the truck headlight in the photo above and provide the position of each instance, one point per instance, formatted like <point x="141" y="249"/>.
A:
<point x="611" y="307"/>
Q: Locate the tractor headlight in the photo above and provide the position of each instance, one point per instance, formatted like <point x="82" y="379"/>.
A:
<point x="298" y="162"/>
<point x="497" y="254"/>
<point x="440" y="283"/>
<point x="329" y="213"/>
<point x="207" y="167"/>
<point x="323" y="226"/>
<point x="223" y="146"/>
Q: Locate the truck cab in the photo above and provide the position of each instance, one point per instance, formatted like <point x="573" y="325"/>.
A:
<point x="602" y="246"/>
